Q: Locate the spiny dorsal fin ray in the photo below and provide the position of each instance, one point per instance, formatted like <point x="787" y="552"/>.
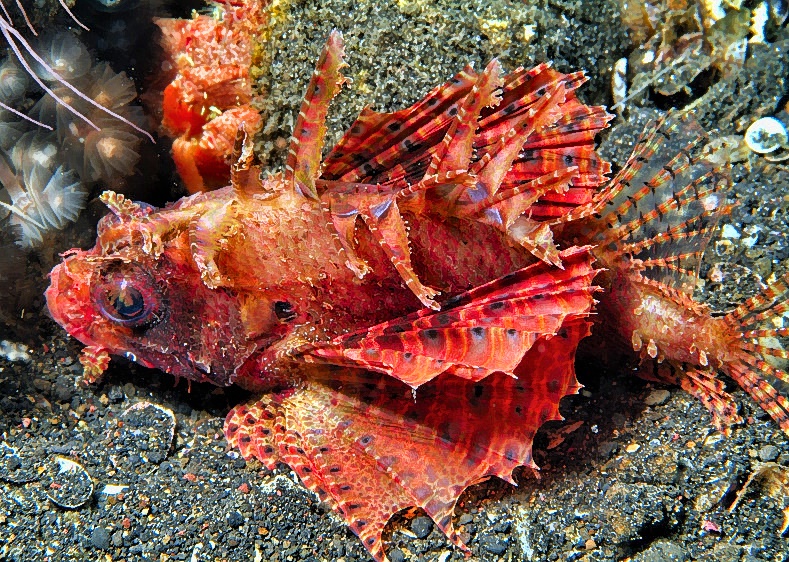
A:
<point x="369" y="449"/>
<point x="244" y="174"/>
<point x="375" y="150"/>
<point x="377" y="207"/>
<point x="377" y="142"/>
<point x="304" y="158"/>
<point x="485" y="330"/>
<point x="494" y="164"/>
<point x="456" y="149"/>
<point x="508" y="211"/>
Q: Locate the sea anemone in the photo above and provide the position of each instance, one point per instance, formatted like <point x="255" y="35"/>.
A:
<point x="13" y="81"/>
<point x="110" y="89"/>
<point x="43" y="201"/>
<point x="108" y="153"/>
<point x="64" y="56"/>
<point x="36" y="148"/>
<point x="58" y="53"/>
<point x="11" y="128"/>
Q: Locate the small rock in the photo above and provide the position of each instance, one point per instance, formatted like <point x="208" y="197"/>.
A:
<point x="662" y="551"/>
<point x="100" y="538"/>
<point x="396" y="555"/>
<point x="116" y="395"/>
<point x="465" y="519"/>
<point x="494" y="545"/>
<point x="657" y="397"/>
<point x="768" y="453"/>
<point x="607" y="448"/>
<point x="503" y="526"/>
<point x="235" y="519"/>
<point x="42" y="385"/>
<point x="421" y="526"/>
<point x="117" y="538"/>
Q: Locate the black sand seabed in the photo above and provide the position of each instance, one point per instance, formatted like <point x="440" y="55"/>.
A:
<point x="642" y="476"/>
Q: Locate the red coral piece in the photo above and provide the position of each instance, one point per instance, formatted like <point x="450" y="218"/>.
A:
<point x="209" y="98"/>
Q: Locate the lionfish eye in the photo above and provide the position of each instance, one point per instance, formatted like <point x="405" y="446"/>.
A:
<point x="128" y="296"/>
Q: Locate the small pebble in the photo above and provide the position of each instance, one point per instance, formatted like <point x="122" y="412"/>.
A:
<point x="235" y="519"/>
<point x="657" y="397"/>
<point x="421" y="526"/>
<point x="768" y="453"/>
<point x="465" y="519"/>
<point x="396" y="555"/>
<point x="632" y="448"/>
<point x="100" y="538"/>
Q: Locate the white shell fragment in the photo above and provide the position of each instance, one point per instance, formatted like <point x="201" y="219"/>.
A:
<point x="66" y="483"/>
<point x="144" y="436"/>
<point x="766" y="135"/>
<point x="619" y="82"/>
<point x="114" y="489"/>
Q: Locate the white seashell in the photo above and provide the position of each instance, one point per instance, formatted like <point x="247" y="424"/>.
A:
<point x="70" y="486"/>
<point x="766" y="135"/>
<point x="619" y="82"/>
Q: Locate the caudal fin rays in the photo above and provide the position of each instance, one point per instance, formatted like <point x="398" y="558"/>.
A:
<point x="758" y="324"/>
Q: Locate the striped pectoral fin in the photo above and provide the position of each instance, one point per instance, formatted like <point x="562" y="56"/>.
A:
<point x="759" y="337"/>
<point x="364" y="444"/>
<point x="253" y="428"/>
<point x="483" y="331"/>
<point x="304" y="158"/>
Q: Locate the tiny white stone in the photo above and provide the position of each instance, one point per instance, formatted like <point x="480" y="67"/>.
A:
<point x="729" y="231"/>
<point x="113" y="489"/>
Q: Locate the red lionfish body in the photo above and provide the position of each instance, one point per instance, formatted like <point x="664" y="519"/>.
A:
<point x="401" y="306"/>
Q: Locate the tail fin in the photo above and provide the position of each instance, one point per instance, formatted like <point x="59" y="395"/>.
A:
<point x="657" y="215"/>
<point x="756" y="367"/>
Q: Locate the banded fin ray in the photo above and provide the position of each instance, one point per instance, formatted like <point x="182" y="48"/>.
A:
<point x="661" y="210"/>
<point x="477" y="333"/>
<point x="760" y="328"/>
